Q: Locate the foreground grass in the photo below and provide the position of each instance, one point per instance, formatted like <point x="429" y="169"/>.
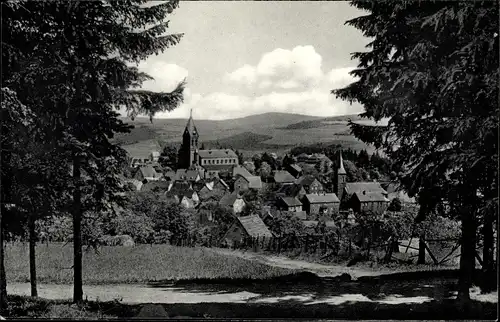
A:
<point x="449" y="310"/>
<point x="128" y="265"/>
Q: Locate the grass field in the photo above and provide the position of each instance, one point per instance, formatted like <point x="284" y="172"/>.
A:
<point x="127" y="265"/>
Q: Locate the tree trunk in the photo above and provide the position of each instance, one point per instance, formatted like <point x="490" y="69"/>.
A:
<point x="421" y="250"/>
<point x="77" y="233"/>
<point x="5" y="190"/>
<point x="32" y="255"/>
<point x="488" y="278"/>
<point x="3" y="279"/>
<point x="468" y="255"/>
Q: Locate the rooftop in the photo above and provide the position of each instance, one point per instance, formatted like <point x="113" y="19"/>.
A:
<point x="370" y="197"/>
<point x="322" y="198"/>
<point x="228" y="200"/>
<point x="353" y="187"/>
<point x="241" y="171"/>
<point x="283" y="176"/>
<point x="291" y="201"/>
<point x="254" y="226"/>
<point x="217" y="154"/>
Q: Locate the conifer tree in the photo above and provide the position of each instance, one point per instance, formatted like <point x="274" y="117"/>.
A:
<point x="78" y="57"/>
<point x="432" y="69"/>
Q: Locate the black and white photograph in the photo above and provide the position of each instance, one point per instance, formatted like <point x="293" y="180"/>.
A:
<point x="244" y="160"/>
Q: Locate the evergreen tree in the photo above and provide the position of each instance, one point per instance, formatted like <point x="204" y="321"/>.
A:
<point x="433" y="71"/>
<point x="78" y="56"/>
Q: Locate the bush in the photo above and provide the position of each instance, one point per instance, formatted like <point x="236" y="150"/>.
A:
<point x="395" y="205"/>
<point x="138" y="226"/>
<point x="285" y="223"/>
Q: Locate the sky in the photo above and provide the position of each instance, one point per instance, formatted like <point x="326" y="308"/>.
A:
<point x="241" y="58"/>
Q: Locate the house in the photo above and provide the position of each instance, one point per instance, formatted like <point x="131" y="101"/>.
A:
<point x="282" y="177"/>
<point x="147" y="173"/>
<point x="180" y="186"/>
<point x="186" y="197"/>
<point x="220" y="184"/>
<point x="319" y="204"/>
<point x="289" y="204"/>
<point x="191" y="175"/>
<point x="154" y="156"/>
<point x="233" y="201"/>
<point x="291" y="190"/>
<point x="352" y="187"/>
<point x="157" y="186"/>
<point x="247" y="183"/>
<point x="242" y="171"/>
<point x="170" y="175"/>
<point x="134" y="184"/>
<point x="243" y="227"/>
<point x="310" y="184"/>
<point x="211" y="189"/>
<point x="266" y="215"/>
<point x="294" y="169"/>
<point x="374" y="202"/>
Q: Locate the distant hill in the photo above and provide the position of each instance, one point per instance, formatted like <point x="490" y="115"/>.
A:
<point x="310" y="124"/>
<point x="242" y="141"/>
<point x="268" y="131"/>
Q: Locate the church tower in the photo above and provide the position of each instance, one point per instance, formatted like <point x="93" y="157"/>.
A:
<point x="188" y="153"/>
<point x="340" y="178"/>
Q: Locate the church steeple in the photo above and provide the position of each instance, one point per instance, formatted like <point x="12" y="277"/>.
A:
<point x="188" y="154"/>
<point x="341" y="169"/>
<point x="341" y="178"/>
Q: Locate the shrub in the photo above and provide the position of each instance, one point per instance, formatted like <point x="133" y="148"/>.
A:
<point x="285" y="223"/>
<point x="395" y="205"/>
<point x="138" y="226"/>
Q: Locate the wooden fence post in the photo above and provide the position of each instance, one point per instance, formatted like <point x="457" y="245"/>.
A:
<point x="421" y="250"/>
<point x="432" y="255"/>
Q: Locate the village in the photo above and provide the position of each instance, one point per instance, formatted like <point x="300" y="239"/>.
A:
<point x="248" y="159"/>
<point x="216" y="175"/>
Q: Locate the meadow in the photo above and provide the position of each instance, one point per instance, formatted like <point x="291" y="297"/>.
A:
<point x="130" y="265"/>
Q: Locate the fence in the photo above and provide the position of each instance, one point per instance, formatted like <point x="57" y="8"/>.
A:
<point x="325" y="246"/>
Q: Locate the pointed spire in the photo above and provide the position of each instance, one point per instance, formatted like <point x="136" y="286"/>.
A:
<point x="190" y="127"/>
<point x="341" y="165"/>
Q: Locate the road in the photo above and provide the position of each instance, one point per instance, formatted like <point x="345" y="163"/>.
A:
<point x="133" y="294"/>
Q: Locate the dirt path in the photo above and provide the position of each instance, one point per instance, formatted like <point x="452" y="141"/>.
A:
<point x="321" y="270"/>
<point x="135" y="294"/>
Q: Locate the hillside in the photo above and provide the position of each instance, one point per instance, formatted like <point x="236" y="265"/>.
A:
<point x="242" y="141"/>
<point x="328" y="121"/>
<point x="264" y="132"/>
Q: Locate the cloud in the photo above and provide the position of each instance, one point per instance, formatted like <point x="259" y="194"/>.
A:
<point x="282" y="68"/>
<point x="166" y="76"/>
<point x="288" y="81"/>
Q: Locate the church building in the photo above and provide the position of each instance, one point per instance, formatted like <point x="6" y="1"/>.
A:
<point x="213" y="161"/>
